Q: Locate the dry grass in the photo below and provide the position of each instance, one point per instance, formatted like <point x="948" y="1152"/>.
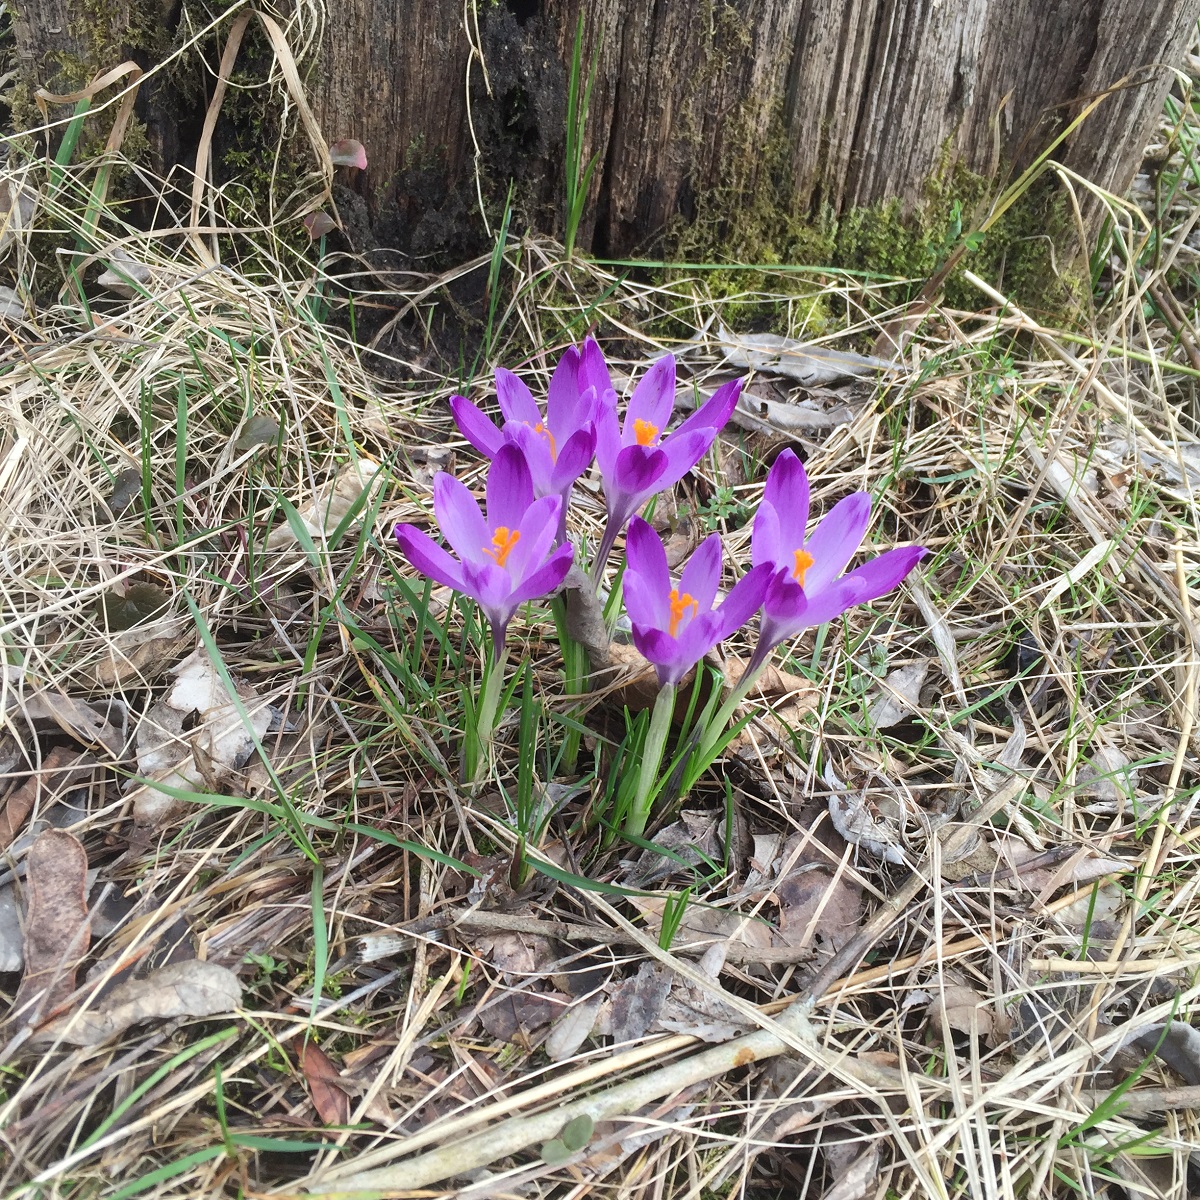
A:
<point x="372" y="909"/>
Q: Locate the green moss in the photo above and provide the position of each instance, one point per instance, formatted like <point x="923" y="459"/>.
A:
<point x="1030" y="253"/>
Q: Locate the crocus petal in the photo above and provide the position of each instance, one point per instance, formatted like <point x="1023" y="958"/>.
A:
<point x="593" y="372"/>
<point x="536" y="533"/>
<point x="744" y="600"/>
<point x="787" y="493"/>
<point x="835" y="540"/>
<point x="645" y="605"/>
<point x="715" y="412"/>
<point x="703" y="573"/>
<point x="881" y="574"/>
<point x="608" y="442"/>
<point x="637" y="477"/>
<point x="459" y="518"/>
<point x="509" y="488"/>
<point x="573" y="458"/>
<point x="652" y="401"/>
<point x="683" y="453"/>
<point x="491" y="588"/>
<point x="428" y="557"/>
<point x="475" y="427"/>
<point x="766" y="544"/>
<point x="662" y="650"/>
<point x="563" y="394"/>
<point x="696" y="640"/>
<point x="538" y="457"/>
<point x="645" y="555"/>
<point x="516" y="400"/>
<point x="547" y="578"/>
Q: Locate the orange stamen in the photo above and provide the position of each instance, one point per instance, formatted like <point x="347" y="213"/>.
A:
<point x="503" y="540"/>
<point x="679" y="606"/>
<point x="645" y="433"/>
<point x="804" y="560"/>
<point x="540" y="427"/>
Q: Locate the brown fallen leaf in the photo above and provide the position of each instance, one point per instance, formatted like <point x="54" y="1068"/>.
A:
<point x="701" y="926"/>
<point x="637" y="1002"/>
<point x="898" y="696"/>
<point x="57" y="932"/>
<point x="63" y="768"/>
<point x="962" y="1009"/>
<point x="74" y="717"/>
<point x="860" y="1179"/>
<point x="185" y="989"/>
<point x="332" y="1104"/>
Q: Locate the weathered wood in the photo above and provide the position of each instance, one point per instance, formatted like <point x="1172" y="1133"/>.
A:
<point x="844" y="103"/>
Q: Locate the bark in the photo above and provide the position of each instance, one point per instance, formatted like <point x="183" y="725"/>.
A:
<point x="835" y="104"/>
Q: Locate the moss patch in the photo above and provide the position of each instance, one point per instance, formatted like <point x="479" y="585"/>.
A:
<point x="1031" y="253"/>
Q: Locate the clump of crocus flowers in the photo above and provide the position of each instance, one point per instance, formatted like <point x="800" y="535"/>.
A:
<point x="517" y="549"/>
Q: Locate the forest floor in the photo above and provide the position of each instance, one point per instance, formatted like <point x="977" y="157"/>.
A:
<point x="257" y="939"/>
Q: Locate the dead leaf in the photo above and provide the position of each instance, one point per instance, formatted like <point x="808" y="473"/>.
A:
<point x="572" y="1029"/>
<point x="860" y="1178"/>
<point x="318" y="224"/>
<point x="814" y="902"/>
<point x="62" y="769"/>
<point x="184" y="989"/>
<point x="806" y="363"/>
<point x="125" y="277"/>
<point x="1176" y="1042"/>
<point x="898" y="696"/>
<point x="12" y="307"/>
<point x="332" y="1104"/>
<point x="519" y="955"/>
<point x="12" y="930"/>
<point x="142" y="653"/>
<point x="324" y="513"/>
<point x="74" y="717"/>
<point x="208" y="756"/>
<point x="962" y="1009"/>
<point x="702" y="925"/>
<point x="1107" y="775"/>
<point x="585" y="617"/>
<point x="346" y="152"/>
<point x="637" y="1001"/>
<point x="57" y="933"/>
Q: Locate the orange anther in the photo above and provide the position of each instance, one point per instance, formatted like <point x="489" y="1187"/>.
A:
<point x="503" y="540"/>
<point x="804" y="560"/>
<point x="540" y="427"/>
<point x="679" y="606"/>
<point x="645" y="433"/>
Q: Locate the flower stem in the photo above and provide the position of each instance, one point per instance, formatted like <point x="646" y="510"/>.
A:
<point x="720" y="721"/>
<point x="479" y="747"/>
<point x="575" y="679"/>
<point x="652" y="755"/>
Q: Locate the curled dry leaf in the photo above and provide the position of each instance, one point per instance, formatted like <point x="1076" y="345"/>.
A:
<point x="318" y="224"/>
<point x="74" y="717"/>
<point x="125" y="277"/>
<point x="141" y="654"/>
<point x="1176" y="1042"/>
<point x="860" y="1179"/>
<point x="183" y="989"/>
<point x="57" y="931"/>
<point x="806" y="363"/>
<point x="346" y="152"/>
<point x="211" y="754"/>
<point x="898" y="696"/>
<point x="324" y="1085"/>
<point x="61" y="770"/>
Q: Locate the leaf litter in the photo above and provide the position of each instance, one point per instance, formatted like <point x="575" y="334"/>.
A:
<point x="1042" y="664"/>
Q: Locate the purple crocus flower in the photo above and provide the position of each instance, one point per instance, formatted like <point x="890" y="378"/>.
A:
<point x="675" y="627"/>
<point x="558" y="445"/>
<point x="504" y="558"/>
<point x="807" y="586"/>
<point x="638" y="458"/>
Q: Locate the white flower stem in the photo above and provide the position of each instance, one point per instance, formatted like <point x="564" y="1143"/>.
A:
<point x="485" y="716"/>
